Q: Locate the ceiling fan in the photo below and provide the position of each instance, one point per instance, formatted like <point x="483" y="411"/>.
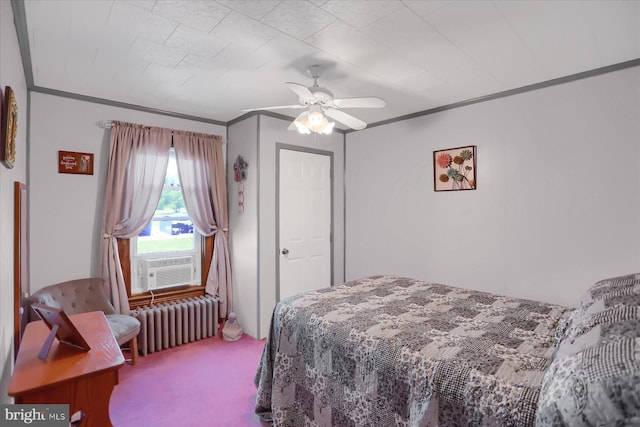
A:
<point x="320" y="104"/>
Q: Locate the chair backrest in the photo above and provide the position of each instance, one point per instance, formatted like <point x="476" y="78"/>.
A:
<point x="73" y="296"/>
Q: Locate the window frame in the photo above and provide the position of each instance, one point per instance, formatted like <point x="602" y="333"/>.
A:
<point x="127" y="252"/>
<point x="170" y="294"/>
<point x="135" y="256"/>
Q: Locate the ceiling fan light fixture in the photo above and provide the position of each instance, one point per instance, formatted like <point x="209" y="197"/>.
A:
<point x="314" y="121"/>
<point x="302" y="128"/>
<point x="328" y="127"/>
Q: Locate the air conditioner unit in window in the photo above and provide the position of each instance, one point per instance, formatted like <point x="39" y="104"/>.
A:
<point x="166" y="272"/>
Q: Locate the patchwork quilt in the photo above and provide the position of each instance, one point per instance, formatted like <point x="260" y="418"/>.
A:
<point x="394" y="351"/>
<point x="594" y="378"/>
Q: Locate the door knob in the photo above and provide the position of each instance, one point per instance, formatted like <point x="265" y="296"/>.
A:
<point x="285" y="251"/>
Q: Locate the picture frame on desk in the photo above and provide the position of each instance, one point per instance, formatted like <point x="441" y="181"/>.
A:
<point x="61" y="327"/>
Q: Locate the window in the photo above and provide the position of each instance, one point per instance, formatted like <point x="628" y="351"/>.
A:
<point x="167" y="253"/>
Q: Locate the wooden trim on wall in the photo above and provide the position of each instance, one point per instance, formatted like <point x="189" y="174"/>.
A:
<point x="124" y="246"/>
<point x="168" y="295"/>
<point x="165" y="296"/>
<point x="20" y="262"/>
<point x="207" y="254"/>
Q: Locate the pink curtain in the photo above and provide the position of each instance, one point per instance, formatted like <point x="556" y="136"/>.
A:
<point x="137" y="168"/>
<point x="204" y="188"/>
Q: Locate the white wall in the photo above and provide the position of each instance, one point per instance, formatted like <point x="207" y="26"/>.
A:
<point x="558" y="199"/>
<point x="67" y="210"/>
<point x="11" y="74"/>
<point x="243" y="227"/>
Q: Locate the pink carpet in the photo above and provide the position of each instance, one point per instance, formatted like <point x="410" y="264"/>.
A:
<point x="207" y="383"/>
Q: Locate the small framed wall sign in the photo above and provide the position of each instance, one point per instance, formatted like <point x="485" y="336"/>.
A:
<point x="455" y="169"/>
<point x="76" y="163"/>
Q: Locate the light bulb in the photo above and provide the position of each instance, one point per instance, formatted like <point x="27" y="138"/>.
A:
<point x="315" y="119"/>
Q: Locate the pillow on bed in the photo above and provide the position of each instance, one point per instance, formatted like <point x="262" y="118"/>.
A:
<point x="594" y="375"/>
<point x="621" y="291"/>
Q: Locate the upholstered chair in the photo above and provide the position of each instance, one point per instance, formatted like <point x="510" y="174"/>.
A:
<point x="84" y="295"/>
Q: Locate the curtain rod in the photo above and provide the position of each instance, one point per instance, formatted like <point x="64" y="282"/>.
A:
<point x="107" y="124"/>
<point x="102" y="124"/>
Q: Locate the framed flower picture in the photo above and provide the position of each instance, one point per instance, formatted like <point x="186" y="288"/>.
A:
<point x="455" y="169"/>
<point x="9" y="127"/>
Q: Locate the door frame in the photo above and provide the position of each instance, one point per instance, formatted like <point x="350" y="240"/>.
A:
<point x="279" y="147"/>
<point x="21" y="288"/>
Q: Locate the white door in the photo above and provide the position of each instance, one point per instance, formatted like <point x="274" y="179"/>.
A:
<point x="304" y="221"/>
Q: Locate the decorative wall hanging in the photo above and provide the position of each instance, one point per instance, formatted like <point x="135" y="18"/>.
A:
<point x="239" y="176"/>
<point x="455" y="169"/>
<point x="76" y="163"/>
<point x="9" y="127"/>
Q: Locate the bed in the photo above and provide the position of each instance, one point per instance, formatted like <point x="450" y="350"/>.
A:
<point x="395" y="351"/>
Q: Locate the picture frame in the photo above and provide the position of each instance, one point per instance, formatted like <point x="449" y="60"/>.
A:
<point x="454" y="169"/>
<point x="61" y="327"/>
<point x="9" y="128"/>
<point x="75" y="162"/>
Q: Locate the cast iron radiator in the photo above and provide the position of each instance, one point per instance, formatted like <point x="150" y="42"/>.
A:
<point x="179" y="322"/>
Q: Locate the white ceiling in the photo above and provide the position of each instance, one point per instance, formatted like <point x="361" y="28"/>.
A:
<point x="211" y="59"/>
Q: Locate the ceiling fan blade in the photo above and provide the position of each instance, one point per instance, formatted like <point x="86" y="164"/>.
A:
<point x="345" y="118"/>
<point x="277" y="107"/>
<point x="302" y="91"/>
<point x="367" y="102"/>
